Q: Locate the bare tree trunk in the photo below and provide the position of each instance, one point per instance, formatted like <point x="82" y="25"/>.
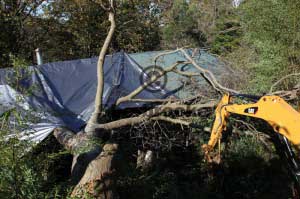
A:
<point x="94" y="119"/>
<point x="93" y="168"/>
<point x="98" y="180"/>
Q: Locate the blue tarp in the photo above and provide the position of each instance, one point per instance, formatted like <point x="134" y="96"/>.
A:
<point x="63" y="93"/>
<point x="175" y="81"/>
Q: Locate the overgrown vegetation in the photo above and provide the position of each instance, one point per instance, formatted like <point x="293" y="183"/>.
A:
<point x="260" y="38"/>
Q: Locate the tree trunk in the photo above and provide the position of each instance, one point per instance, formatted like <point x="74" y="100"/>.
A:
<point x="94" y="168"/>
<point x="145" y="160"/>
<point x="98" y="180"/>
<point x="94" y="119"/>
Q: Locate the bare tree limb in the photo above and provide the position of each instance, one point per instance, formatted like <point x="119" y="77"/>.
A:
<point x="164" y="53"/>
<point x="288" y="95"/>
<point x="153" y="100"/>
<point x="228" y="30"/>
<point x="99" y="93"/>
<point x="208" y="75"/>
<point x="280" y="80"/>
<point x="153" y="112"/>
<point x="171" y="120"/>
<point x="262" y="137"/>
<point x="188" y="74"/>
<point x="147" y="83"/>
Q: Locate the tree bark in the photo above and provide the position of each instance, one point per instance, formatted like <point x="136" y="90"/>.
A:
<point x="98" y="180"/>
<point x="145" y="160"/>
<point x="93" y="167"/>
<point x="100" y="76"/>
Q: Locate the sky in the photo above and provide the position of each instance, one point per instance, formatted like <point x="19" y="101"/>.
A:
<point x="236" y="3"/>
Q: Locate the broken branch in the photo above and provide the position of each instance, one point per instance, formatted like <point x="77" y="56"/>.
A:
<point x="280" y="80"/>
<point x="147" y="83"/>
<point x="171" y="120"/>
<point x="208" y="75"/>
<point x="153" y="112"/>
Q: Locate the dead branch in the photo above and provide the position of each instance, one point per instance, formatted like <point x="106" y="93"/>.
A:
<point x="208" y="75"/>
<point x="165" y="53"/>
<point x="288" y="95"/>
<point x="262" y="137"/>
<point x="280" y="80"/>
<point x="152" y="113"/>
<point x="171" y="120"/>
<point x="188" y="74"/>
<point x="147" y="83"/>
<point x="153" y="100"/>
<point x="229" y="30"/>
<point x="171" y="99"/>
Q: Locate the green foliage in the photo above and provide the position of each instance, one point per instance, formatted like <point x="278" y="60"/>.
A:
<point x="17" y="179"/>
<point x="227" y="33"/>
<point x="181" y="27"/>
<point x="74" y="29"/>
<point x="29" y="171"/>
<point x="227" y="38"/>
<point x="272" y="28"/>
<point x="10" y="31"/>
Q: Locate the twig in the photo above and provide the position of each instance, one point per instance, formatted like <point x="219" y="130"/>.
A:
<point x="188" y="74"/>
<point x="153" y="100"/>
<point x="260" y="135"/>
<point x="165" y="53"/>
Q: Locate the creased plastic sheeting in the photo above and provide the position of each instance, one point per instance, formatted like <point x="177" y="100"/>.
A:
<point x="176" y="82"/>
<point x="64" y="92"/>
<point x="9" y="99"/>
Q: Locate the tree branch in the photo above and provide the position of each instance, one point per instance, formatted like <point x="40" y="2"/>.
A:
<point x="280" y="80"/>
<point x="146" y="84"/>
<point x="99" y="93"/>
<point x="208" y="75"/>
<point x="171" y="120"/>
<point x="165" y="53"/>
<point x="153" y="100"/>
<point x="188" y="74"/>
<point x="152" y="113"/>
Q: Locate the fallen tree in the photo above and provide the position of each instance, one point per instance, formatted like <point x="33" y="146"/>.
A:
<point x="95" y="164"/>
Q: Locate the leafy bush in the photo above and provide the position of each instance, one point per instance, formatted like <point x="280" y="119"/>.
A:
<point x="271" y="28"/>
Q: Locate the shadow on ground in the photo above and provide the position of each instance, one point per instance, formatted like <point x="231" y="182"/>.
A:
<point x="245" y="172"/>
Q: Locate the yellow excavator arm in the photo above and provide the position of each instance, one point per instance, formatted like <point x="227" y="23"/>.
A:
<point x="282" y="117"/>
